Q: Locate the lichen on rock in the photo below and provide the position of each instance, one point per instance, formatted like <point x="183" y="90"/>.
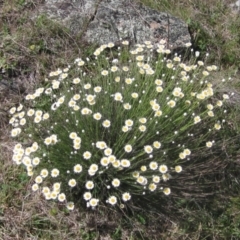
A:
<point x="113" y="20"/>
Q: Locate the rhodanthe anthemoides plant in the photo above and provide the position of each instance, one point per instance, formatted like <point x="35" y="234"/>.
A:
<point x="117" y="129"/>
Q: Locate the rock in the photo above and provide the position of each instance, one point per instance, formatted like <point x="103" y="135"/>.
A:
<point x="112" y="20"/>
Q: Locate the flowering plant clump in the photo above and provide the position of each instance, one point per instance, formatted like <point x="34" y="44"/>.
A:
<point x="118" y="128"/>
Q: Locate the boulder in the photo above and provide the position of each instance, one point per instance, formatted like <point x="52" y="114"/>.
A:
<point x="103" y="21"/>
